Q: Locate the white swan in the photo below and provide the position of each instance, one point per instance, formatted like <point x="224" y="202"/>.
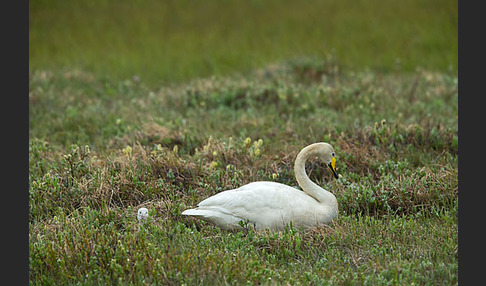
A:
<point x="273" y="205"/>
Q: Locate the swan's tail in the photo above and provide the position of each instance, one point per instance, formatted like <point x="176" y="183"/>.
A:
<point x="205" y="213"/>
<point x="194" y="212"/>
<point x="216" y="217"/>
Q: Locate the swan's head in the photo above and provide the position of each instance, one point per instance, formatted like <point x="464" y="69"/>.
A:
<point x="326" y="154"/>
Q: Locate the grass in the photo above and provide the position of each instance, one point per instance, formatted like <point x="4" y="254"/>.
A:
<point x="160" y="42"/>
<point x="175" y="103"/>
<point x="101" y="148"/>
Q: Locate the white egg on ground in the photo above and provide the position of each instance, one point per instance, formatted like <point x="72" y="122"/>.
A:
<point x="142" y="214"/>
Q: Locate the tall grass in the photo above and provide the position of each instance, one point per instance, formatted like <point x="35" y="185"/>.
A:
<point x="164" y="41"/>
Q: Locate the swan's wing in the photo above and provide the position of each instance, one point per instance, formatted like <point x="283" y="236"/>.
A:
<point x="253" y="197"/>
<point x="266" y="204"/>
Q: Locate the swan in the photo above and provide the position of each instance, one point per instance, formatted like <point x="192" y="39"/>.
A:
<point x="273" y="205"/>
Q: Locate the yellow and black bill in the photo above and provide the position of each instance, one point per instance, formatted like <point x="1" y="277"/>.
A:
<point x="332" y="166"/>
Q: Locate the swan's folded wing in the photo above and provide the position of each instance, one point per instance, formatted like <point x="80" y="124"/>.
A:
<point x="266" y="204"/>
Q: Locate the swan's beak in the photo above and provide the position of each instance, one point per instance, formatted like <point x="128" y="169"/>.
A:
<point x="332" y="166"/>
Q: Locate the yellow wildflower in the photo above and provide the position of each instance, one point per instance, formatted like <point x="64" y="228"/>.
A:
<point x="213" y="165"/>
<point x="127" y="150"/>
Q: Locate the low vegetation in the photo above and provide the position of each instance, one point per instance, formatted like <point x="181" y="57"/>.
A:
<point x="100" y="148"/>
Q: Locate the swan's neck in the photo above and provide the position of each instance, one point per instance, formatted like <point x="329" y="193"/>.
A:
<point x="321" y="195"/>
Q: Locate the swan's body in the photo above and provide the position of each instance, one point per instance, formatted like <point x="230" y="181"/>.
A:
<point x="274" y="205"/>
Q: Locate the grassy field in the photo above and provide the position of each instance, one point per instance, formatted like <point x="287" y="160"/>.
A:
<point x="161" y="41"/>
<point x="103" y="143"/>
<point x="106" y="148"/>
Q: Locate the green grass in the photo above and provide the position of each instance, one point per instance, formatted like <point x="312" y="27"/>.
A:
<point x="229" y="94"/>
<point x="163" y="42"/>
<point x="101" y="148"/>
